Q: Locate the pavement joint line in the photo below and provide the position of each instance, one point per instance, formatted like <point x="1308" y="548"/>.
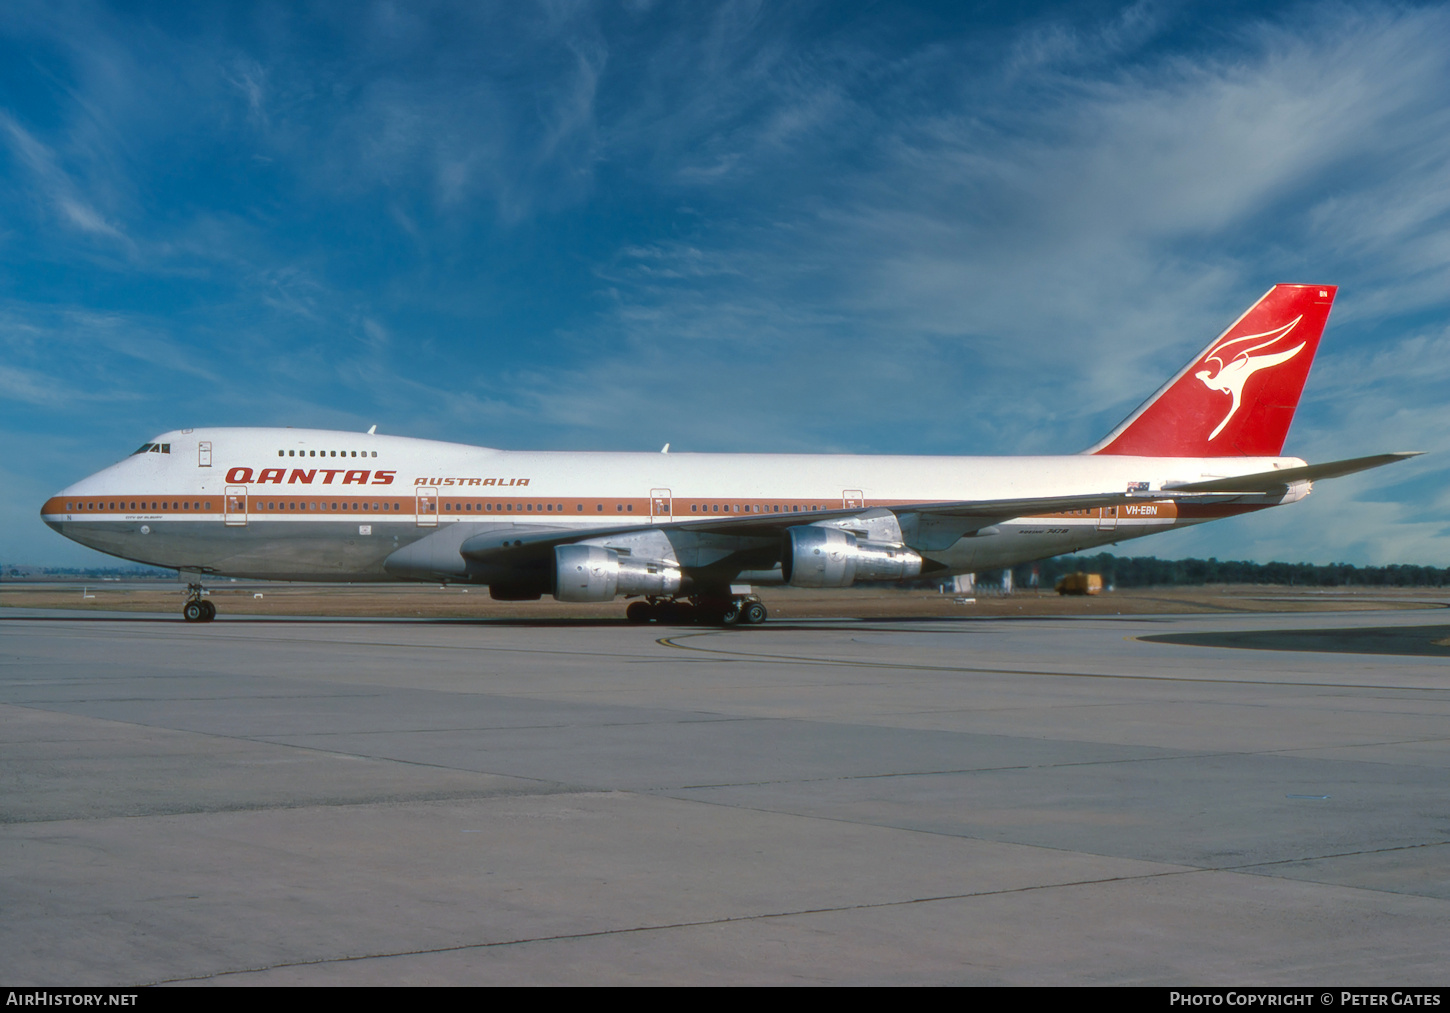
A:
<point x="707" y="719"/>
<point x="320" y="804"/>
<point x="516" y="728"/>
<point x="965" y="770"/>
<point x="1247" y="867"/>
<point x="844" y="663"/>
<point x="1337" y="854"/>
<point x="292" y="641"/>
<point x="702" y="923"/>
<point x="1291" y="750"/>
<point x="318" y="749"/>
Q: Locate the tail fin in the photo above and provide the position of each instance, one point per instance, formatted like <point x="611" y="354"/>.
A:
<point x="1237" y="398"/>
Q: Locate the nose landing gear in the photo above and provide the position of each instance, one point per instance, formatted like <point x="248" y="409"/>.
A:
<point x="197" y="609"/>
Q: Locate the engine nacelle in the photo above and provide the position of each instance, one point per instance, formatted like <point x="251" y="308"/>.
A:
<point x="594" y="573"/>
<point x="815" y="556"/>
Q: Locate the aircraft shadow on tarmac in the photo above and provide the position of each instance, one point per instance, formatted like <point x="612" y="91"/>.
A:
<point x="1420" y="641"/>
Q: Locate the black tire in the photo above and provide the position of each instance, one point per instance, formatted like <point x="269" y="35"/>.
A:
<point x="730" y="615"/>
<point x="753" y="613"/>
<point x="208" y="610"/>
<point x="192" y="612"/>
<point x="639" y="612"/>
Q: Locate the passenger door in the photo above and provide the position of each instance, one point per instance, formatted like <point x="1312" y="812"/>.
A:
<point x="427" y="507"/>
<point x="235" y="514"/>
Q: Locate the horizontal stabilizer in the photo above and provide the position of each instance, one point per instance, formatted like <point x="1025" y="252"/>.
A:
<point x="1273" y="481"/>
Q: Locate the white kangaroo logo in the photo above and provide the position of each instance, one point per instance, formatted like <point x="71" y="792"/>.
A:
<point x="1235" y="367"/>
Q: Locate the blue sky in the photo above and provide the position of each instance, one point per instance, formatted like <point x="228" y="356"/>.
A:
<point x="834" y="227"/>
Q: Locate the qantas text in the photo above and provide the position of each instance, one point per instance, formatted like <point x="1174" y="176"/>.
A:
<point x="241" y="476"/>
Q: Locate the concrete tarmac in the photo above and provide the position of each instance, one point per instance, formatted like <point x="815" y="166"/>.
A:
<point x="994" y="801"/>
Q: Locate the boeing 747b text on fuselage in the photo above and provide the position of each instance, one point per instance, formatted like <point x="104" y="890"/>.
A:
<point x="682" y="532"/>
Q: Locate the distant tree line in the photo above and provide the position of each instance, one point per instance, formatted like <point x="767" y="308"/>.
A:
<point x="1148" y="571"/>
<point x="21" y="572"/>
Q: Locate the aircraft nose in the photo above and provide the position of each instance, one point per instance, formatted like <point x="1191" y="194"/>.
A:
<point x="50" y="512"/>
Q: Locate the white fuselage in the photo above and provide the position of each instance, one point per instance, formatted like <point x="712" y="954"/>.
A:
<point x="298" y="504"/>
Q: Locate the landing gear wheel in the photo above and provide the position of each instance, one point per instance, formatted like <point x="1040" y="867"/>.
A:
<point x="209" y="611"/>
<point x="730" y="615"/>
<point x="753" y="613"/>
<point x="639" y="612"/>
<point x="193" y="612"/>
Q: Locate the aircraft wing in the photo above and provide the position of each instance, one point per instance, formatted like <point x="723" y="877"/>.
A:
<point x="926" y="526"/>
<point x="500" y="542"/>
<point x="1275" y="481"/>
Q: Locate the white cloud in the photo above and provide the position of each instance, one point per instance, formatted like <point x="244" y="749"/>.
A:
<point x="55" y="185"/>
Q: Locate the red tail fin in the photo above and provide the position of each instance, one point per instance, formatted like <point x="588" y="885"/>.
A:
<point x="1238" y="397"/>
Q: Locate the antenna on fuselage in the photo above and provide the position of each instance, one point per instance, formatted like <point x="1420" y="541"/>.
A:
<point x="372" y="430"/>
<point x="665" y="449"/>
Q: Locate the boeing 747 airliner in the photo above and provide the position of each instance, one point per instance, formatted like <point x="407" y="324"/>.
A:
<point x="682" y="532"/>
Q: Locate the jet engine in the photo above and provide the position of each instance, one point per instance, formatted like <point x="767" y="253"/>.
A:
<point x="814" y="556"/>
<point x="594" y="573"/>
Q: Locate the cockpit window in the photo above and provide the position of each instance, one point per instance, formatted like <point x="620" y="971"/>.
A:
<point x="144" y="447"/>
<point x="152" y="448"/>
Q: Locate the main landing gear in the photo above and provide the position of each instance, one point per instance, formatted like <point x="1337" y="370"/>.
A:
<point x="197" y="609"/>
<point x="748" y="610"/>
